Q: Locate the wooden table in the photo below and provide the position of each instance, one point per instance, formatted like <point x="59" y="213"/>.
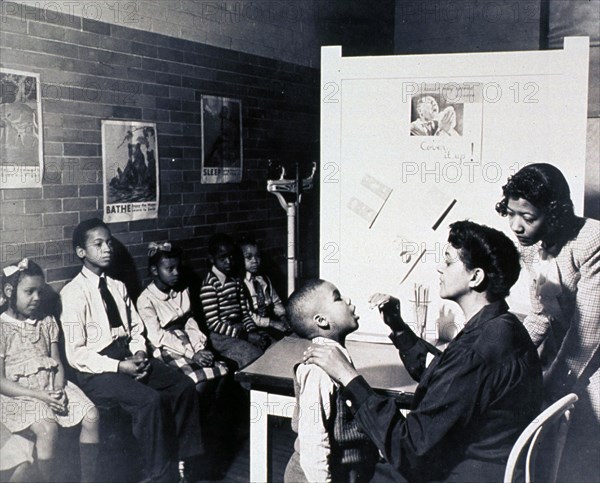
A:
<point x="272" y="389"/>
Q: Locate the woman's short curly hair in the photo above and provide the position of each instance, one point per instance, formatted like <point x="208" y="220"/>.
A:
<point x="480" y="246"/>
<point x="546" y="188"/>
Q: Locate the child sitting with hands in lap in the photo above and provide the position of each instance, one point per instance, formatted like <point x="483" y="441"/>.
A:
<point x="233" y="333"/>
<point x="264" y="303"/>
<point x="329" y="446"/>
<point x="106" y="346"/>
<point x="34" y="394"/>
<point x="173" y="332"/>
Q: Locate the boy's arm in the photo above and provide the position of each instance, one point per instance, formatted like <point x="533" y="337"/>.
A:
<point x="210" y="305"/>
<point x="315" y="399"/>
<point x="247" y="320"/>
<point x="74" y="317"/>
<point x="278" y="307"/>
<point x="138" y="340"/>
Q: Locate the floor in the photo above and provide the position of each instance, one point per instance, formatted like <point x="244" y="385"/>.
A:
<point x="119" y="460"/>
<point x="282" y="443"/>
<point x="281" y="439"/>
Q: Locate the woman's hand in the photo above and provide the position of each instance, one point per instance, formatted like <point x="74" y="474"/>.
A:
<point x="332" y="361"/>
<point x="389" y="308"/>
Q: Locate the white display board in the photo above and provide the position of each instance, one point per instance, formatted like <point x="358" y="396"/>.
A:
<point x="392" y="182"/>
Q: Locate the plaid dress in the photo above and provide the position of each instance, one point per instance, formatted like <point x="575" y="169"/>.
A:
<point x="174" y="334"/>
<point x="565" y="314"/>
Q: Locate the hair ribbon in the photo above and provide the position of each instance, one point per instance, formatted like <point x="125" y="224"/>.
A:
<point x="19" y="267"/>
<point x="154" y="247"/>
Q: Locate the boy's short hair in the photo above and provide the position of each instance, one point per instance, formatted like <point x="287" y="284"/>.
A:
<point x="81" y="231"/>
<point x="218" y="240"/>
<point x="298" y="306"/>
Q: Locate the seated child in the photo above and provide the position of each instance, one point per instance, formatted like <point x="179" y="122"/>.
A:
<point x="34" y="394"/>
<point x="173" y="332"/>
<point x="329" y="446"/>
<point x="106" y="346"/>
<point x="233" y="333"/>
<point x="264" y="303"/>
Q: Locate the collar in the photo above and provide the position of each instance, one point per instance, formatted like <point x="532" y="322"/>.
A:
<point x="489" y="312"/>
<point x="159" y="294"/>
<point x="91" y="276"/>
<point x="249" y="276"/>
<point x="220" y="275"/>
<point x="327" y="341"/>
<point x="17" y="322"/>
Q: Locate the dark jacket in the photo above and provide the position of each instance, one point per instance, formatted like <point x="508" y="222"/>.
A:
<point x="472" y="402"/>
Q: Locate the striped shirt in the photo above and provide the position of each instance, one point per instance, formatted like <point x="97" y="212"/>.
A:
<point x="224" y="304"/>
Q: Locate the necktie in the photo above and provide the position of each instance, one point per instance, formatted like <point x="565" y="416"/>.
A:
<point x="431" y="128"/>
<point x="111" y="306"/>
<point x="260" y="298"/>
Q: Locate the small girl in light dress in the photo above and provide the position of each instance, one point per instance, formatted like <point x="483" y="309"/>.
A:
<point x="166" y="310"/>
<point x="34" y="395"/>
<point x="176" y="339"/>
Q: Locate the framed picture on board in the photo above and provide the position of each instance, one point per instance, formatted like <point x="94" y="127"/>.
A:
<point x="21" y="130"/>
<point x="130" y="170"/>
<point x="222" y="149"/>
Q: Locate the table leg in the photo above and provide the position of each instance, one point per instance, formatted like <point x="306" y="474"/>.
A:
<point x="259" y="428"/>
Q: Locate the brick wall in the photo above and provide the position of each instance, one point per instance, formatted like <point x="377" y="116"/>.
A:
<point x="92" y="71"/>
<point x="280" y="29"/>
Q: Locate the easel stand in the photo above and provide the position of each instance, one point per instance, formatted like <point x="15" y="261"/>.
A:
<point x="294" y="187"/>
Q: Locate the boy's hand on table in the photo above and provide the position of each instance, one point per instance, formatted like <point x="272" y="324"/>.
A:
<point x="389" y="308"/>
<point x="332" y="361"/>
<point x="204" y="358"/>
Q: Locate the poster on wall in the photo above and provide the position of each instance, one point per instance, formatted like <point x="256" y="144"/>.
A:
<point x="21" y="143"/>
<point x="130" y="170"/>
<point x="222" y="150"/>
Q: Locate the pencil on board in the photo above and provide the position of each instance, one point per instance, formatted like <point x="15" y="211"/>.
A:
<point x="444" y="215"/>
<point x="413" y="266"/>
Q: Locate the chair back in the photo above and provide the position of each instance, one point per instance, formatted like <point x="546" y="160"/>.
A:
<point x="552" y="423"/>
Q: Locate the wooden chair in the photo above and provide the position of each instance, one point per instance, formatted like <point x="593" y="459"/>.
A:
<point x="553" y="423"/>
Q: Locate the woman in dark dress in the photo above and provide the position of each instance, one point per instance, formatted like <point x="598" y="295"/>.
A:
<point x="475" y="398"/>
